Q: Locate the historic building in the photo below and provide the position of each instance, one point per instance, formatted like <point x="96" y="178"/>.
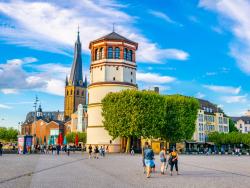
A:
<point x="112" y="69"/>
<point x="75" y="86"/>
<point x="243" y="123"/>
<point x="210" y="118"/>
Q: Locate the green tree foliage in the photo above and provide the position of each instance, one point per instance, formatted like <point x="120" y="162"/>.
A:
<point x="180" y="118"/>
<point x="132" y="113"/>
<point x="232" y="127"/>
<point x="82" y="136"/>
<point x="8" y="134"/>
<point x="229" y="138"/>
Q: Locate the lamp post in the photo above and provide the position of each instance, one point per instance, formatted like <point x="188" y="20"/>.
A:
<point x="35" y="106"/>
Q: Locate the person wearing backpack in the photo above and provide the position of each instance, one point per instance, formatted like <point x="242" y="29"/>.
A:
<point x="173" y="160"/>
<point x="149" y="159"/>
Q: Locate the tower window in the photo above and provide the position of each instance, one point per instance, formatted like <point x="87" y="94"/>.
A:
<point x="113" y="78"/>
<point x="117" y="53"/>
<point x="125" y="53"/>
<point x="82" y="93"/>
<point x="71" y="92"/>
<point x="130" y="53"/>
<point x="117" y="68"/>
<point x="101" y="68"/>
<point x="77" y="92"/>
<point x="131" y="80"/>
<point x="131" y="73"/>
<point x="110" y="53"/>
<point x="101" y="53"/>
<point x="96" y="54"/>
<point x="67" y="92"/>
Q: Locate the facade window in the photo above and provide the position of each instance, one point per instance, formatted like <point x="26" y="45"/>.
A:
<point x="82" y="93"/>
<point x="101" y="53"/>
<point x="77" y="92"/>
<point x="113" y="78"/>
<point x="240" y="126"/>
<point x="125" y="54"/>
<point x="67" y="92"/>
<point x="131" y="80"/>
<point x="110" y="53"/>
<point x="117" y="68"/>
<point x="246" y="129"/>
<point x="129" y="57"/>
<point x="117" y="53"/>
<point x="131" y="73"/>
<point x="71" y="92"/>
<point x="101" y="68"/>
<point x="96" y="54"/>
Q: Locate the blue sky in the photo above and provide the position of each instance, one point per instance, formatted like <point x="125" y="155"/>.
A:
<point x="198" y="48"/>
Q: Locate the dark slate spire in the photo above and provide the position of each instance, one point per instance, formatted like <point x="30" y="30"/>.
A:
<point x="76" y="78"/>
<point x="66" y="81"/>
<point x="85" y="82"/>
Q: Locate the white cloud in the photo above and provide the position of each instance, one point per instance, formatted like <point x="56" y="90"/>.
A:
<point x="223" y="89"/>
<point x="200" y="95"/>
<point x="5" y="106"/>
<point x="52" y="26"/>
<point x="211" y="73"/>
<point x="235" y="99"/>
<point x="9" y="91"/>
<point x="236" y="13"/>
<point x="163" y="16"/>
<point x="154" y="78"/>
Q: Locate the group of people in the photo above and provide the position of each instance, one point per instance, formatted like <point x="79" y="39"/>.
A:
<point x="1" y="149"/>
<point x="149" y="163"/>
<point x="97" y="151"/>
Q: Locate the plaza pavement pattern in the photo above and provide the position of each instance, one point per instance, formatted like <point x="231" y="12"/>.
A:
<point x="120" y="170"/>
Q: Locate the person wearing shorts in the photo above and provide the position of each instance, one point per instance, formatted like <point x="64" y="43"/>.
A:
<point x="149" y="159"/>
<point x="163" y="159"/>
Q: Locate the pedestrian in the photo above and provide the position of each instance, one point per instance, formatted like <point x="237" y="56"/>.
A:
<point x="173" y="159"/>
<point x="132" y="152"/>
<point x="58" y="147"/>
<point x="96" y="152"/>
<point x="101" y="151"/>
<point x="107" y="149"/>
<point x="1" y="149"/>
<point x="68" y="149"/>
<point x="90" y="151"/>
<point x="163" y="159"/>
<point x="149" y="159"/>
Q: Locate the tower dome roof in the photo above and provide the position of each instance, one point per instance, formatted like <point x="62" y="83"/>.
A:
<point x="113" y="36"/>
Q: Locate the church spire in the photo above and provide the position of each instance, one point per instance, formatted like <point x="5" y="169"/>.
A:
<point x="66" y="81"/>
<point x="76" y="78"/>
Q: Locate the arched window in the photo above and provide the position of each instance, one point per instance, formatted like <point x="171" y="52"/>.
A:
<point x="130" y="55"/>
<point x="117" y="53"/>
<point x="110" y="53"/>
<point x="125" y="53"/>
<point x="71" y="92"/>
<point x="96" y="54"/>
<point x="101" y="53"/>
<point x="67" y="92"/>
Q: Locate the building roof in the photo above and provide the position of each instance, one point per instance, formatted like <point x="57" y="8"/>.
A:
<point x="76" y="78"/>
<point x="246" y="119"/>
<point x="206" y="106"/>
<point x="114" y="36"/>
<point x="46" y="116"/>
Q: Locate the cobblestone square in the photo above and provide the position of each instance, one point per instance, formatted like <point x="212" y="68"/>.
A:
<point x="120" y="170"/>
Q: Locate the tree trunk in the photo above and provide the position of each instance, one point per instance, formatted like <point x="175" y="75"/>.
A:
<point x="128" y="144"/>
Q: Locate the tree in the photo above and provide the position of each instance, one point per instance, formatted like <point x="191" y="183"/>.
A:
<point x="81" y="137"/>
<point x="8" y="134"/>
<point x="232" y="127"/>
<point x="179" y="119"/>
<point x="132" y="113"/>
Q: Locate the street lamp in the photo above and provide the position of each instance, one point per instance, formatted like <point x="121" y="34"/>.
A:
<point x="35" y="106"/>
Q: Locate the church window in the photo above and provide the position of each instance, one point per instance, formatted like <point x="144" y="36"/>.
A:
<point x="67" y="92"/>
<point x="125" y="53"/>
<point x="117" y="53"/>
<point x="113" y="78"/>
<point x="101" y="68"/>
<point x="96" y="54"/>
<point x="101" y="53"/>
<point x="130" y="53"/>
<point x="77" y="92"/>
<point x="110" y="53"/>
<point x="71" y="92"/>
